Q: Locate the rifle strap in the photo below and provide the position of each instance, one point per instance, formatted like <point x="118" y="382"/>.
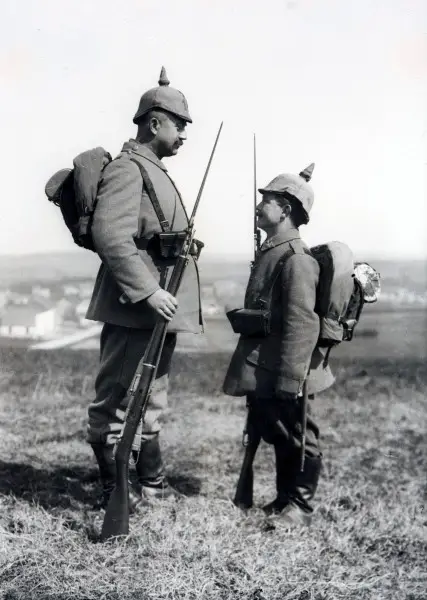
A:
<point x="148" y="184"/>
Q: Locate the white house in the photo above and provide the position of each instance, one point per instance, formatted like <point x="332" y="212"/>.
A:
<point x="38" y="291"/>
<point x="31" y="320"/>
<point x="70" y="290"/>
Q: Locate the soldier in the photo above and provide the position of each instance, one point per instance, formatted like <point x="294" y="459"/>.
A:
<point x="271" y="369"/>
<point x="136" y="201"/>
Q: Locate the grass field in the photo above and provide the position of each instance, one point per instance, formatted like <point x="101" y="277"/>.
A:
<point x="369" y="534"/>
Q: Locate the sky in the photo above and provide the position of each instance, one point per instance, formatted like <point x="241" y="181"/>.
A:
<point x="339" y="83"/>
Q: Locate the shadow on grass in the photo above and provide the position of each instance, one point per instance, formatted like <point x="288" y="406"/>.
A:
<point x="68" y="488"/>
<point x="55" y="487"/>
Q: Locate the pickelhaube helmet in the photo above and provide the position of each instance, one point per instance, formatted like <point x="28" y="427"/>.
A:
<point x="294" y="185"/>
<point x="163" y="97"/>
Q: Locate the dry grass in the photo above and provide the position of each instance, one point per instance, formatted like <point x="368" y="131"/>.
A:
<point x="368" y="539"/>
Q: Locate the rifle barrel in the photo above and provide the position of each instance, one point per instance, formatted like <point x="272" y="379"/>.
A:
<point x="256" y="230"/>
<point x="255" y="202"/>
<point x="199" y="195"/>
<point x="304" y="409"/>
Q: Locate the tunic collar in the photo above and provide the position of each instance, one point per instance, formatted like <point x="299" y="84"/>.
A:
<point x="137" y="148"/>
<point x="281" y="238"/>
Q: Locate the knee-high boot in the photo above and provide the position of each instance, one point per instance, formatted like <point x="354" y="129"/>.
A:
<point x="306" y="482"/>
<point x="300" y="508"/>
<point x="151" y="473"/>
<point x="107" y="470"/>
<point x="285" y="477"/>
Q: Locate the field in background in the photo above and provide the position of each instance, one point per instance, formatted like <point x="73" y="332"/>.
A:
<point x="368" y="540"/>
<point x="392" y="334"/>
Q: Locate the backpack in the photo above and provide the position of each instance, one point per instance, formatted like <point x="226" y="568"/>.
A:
<point x="343" y="289"/>
<point x="75" y="191"/>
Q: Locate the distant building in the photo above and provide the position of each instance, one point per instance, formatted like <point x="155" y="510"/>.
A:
<point x="210" y="309"/>
<point x="3" y="299"/>
<point x="17" y="298"/>
<point x="66" y="311"/>
<point x="39" y="291"/>
<point x="32" y="319"/>
<point x="70" y="290"/>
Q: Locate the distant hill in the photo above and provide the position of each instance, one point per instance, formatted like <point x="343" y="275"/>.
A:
<point x="36" y="268"/>
<point x="403" y="282"/>
<point x="33" y="268"/>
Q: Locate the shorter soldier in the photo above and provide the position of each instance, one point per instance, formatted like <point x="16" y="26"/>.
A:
<point x="274" y="356"/>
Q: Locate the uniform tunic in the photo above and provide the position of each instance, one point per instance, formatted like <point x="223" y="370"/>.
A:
<point x="263" y="368"/>
<point x="280" y="361"/>
<point x="124" y="223"/>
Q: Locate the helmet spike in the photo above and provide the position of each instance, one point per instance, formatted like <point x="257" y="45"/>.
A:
<point x="163" y="80"/>
<point x="163" y="97"/>
<point x="307" y="172"/>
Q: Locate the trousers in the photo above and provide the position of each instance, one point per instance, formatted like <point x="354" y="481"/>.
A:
<point x="121" y="349"/>
<point x="265" y="411"/>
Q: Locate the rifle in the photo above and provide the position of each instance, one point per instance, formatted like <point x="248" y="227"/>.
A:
<point x="304" y="409"/>
<point x="116" y="519"/>
<point x="257" y="232"/>
<point x="243" y="497"/>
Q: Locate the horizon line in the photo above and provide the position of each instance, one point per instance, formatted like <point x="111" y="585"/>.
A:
<point x="236" y="255"/>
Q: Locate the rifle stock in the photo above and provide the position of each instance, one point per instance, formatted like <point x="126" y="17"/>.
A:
<point x="243" y="497"/>
<point x="116" y="519"/>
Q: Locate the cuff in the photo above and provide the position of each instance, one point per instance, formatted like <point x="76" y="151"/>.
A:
<point x="288" y="385"/>
<point x="125" y="299"/>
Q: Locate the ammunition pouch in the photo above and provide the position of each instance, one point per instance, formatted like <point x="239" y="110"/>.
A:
<point x="168" y="244"/>
<point x="196" y="248"/>
<point x="250" y="322"/>
<point x="255" y="322"/>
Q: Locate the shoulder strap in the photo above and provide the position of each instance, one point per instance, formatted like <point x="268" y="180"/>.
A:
<point x="265" y="297"/>
<point x="164" y="223"/>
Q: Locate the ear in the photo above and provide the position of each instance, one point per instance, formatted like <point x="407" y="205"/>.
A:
<point x="286" y="212"/>
<point x="154" y="125"/>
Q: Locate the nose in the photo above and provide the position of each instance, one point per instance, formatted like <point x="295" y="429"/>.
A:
<point x="183" y="135"/>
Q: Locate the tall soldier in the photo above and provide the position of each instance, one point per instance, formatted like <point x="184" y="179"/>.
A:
<point x="271" y="362"/>
<point x="137" y="204"/>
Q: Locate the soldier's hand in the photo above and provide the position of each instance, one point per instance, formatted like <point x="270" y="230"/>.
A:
<point x="286" y="396"/>
<point x="163" y="303"/>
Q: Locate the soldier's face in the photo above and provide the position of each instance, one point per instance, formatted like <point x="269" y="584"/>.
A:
<point x="269" y="212"/>
<point x="170" y="134"/>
